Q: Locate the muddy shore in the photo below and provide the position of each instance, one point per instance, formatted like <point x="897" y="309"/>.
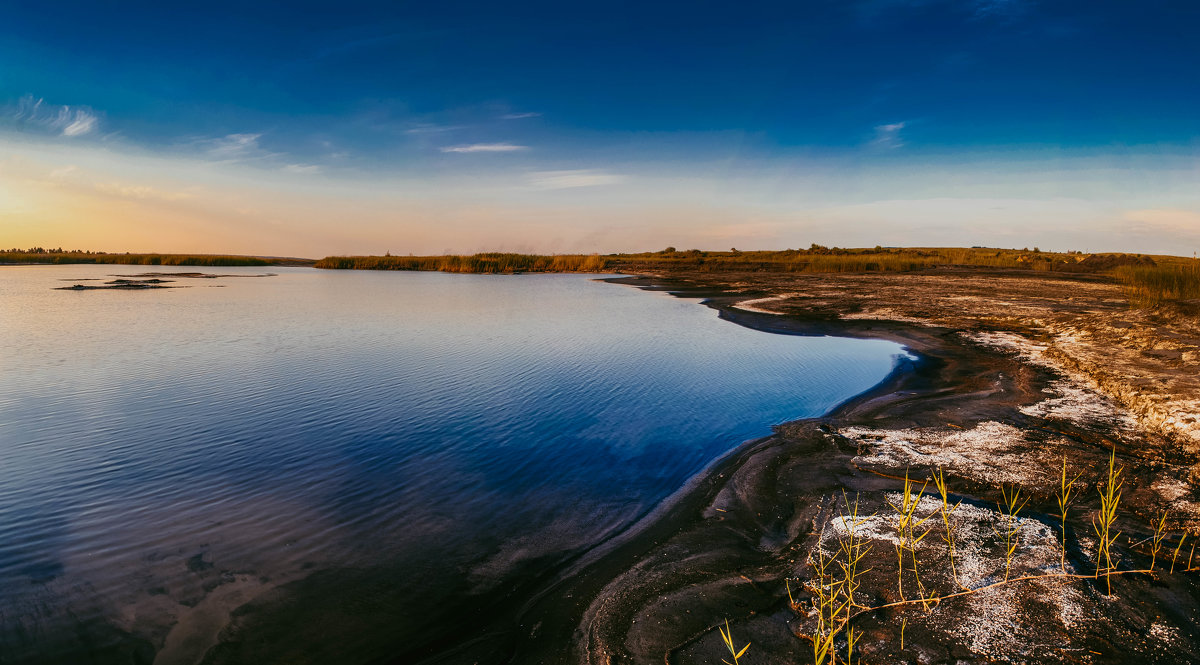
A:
<point x="999" y="396"/>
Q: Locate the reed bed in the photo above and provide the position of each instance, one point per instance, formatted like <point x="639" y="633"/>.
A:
<point x="1152" y="286"/>
<point x="133" y="259"/>
<point x="491" y="263"/>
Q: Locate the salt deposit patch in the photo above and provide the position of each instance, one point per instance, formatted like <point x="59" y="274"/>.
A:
<point x="979" y="556"/>
<point x="1022" y="347"/>
<point x="753" y="305"/>
<point x="1163" y="633"/>
<point x="990" y="452"/>
<point x="1075" y="403"/>
<point x="998" y="614"/>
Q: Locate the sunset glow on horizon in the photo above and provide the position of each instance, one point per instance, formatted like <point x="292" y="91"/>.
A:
<point x="550" y="129"/>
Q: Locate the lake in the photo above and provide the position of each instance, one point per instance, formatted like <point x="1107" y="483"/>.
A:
<point x="169" y="455"/>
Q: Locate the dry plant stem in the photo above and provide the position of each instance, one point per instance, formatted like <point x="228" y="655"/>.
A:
<point x="1175" y="554"/>
<point x="823" y="603"/>
<point x="852" y="638"/>
<point x="852" y="550"/>
<point x="837" y="581"/>
<point x="1066" y="493"/>
<point x="841" y="624"/>
<point x="1010" y="507"/>
<point x="1102" y="522"/>
<point x="949" y="526"/>
<point x="1159" y="534"/>
<point x="906" y="536"/>
<point x="727" y="637"/>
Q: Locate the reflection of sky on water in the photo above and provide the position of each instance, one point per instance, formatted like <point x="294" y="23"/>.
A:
<point x="320" y="419"/>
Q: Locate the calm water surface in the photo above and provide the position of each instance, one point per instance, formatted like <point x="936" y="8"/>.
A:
<point x="169" y="452"/>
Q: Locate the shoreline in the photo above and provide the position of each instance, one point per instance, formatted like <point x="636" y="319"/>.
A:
<point x="735" y="539"/>
<point x="643" y="608"/>
<point x="730" y="543"/>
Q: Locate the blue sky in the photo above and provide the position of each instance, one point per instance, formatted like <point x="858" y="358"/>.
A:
<point x="350" y="127"/>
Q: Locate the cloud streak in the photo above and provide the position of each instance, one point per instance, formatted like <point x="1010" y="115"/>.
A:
<point x="888" y="136"/>
<point x="231" y="147"/>
<point x="303" y="169"/>
<point x="68" y="121"/>
<point x="572" y="179"/>
<point x="485" y="147"/>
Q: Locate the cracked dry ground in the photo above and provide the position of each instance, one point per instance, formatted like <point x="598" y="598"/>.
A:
<point x="1020" y="372"/>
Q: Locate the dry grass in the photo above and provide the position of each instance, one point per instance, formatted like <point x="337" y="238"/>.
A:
<point x="1151" y="286"/>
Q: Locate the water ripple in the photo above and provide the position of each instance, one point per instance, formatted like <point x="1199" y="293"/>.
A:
<point x="316" y="419"/>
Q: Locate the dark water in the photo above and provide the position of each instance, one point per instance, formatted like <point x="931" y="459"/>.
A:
<point x="167" y="455"/>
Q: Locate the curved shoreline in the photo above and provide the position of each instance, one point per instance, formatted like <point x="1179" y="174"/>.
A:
<point x="650" y="595"/>
<point x="724" y="545"/>
<point x="908" y="379"/>
<point x="537" y="624"/>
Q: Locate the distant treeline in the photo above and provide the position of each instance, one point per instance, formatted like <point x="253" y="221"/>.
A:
<point x="493" y="262"/>
<point x="815" y="259"/>
<point x="821" y="259"/>
<point x="39" y="255"/>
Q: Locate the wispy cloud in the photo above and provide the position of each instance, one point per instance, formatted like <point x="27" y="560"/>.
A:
<point x="1000" y="8"/>
<point x="577" y="178"/>
<point x="432" y="129"/>
<point x="60" y="173"/>
<point x="142" y="192"/>
<point x="78" y="123"/>
<point x="69" y="121"/>
<point x="520" y="116"/>
<point x="485" y="147"/>
<point x="304" y="169"/>
<point x="888" y="136"/>
<point x="231" y="147"/>
<point x="981" y="9"/>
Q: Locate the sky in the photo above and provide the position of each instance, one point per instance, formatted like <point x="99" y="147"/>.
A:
<point x="313" y="129"/>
